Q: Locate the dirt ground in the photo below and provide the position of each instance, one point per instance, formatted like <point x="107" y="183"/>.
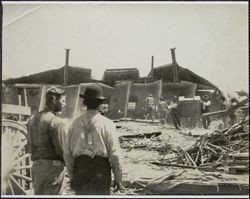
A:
<point x="138" y="153"/>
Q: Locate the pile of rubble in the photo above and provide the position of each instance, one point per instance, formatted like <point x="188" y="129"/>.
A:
<point x="226" y="150"/>
<point x="146" y="141"/>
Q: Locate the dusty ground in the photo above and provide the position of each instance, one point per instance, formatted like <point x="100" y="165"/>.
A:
<point x="136" y="161"/>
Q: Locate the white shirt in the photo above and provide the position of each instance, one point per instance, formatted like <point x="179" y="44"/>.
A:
<point x="93" y="134"/>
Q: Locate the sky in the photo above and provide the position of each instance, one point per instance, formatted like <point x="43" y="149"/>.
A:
<point x="211" y="39"/>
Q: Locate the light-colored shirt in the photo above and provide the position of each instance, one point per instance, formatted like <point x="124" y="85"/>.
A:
<point x="162" y="106"/>
<point x="93" y="134"/>
<point x="206" y="104"/>
<point x="173" y="105"/>
<point x="150" y="102"/>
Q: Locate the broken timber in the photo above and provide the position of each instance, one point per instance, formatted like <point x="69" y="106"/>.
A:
<point x="142" y="135"/>
<point x="225" y="112"/>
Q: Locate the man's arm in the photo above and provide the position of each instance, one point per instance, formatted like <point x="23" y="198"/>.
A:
<point x="68" y="155"/>
<point x="114" y="152"/>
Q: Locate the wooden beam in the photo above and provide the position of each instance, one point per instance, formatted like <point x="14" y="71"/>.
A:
<point x="76" y="102"/>
<point x="25" y="97"/>
<point x="127" y="99"/>
<point x="15" y="109"/>
<point x="225" y="112"/>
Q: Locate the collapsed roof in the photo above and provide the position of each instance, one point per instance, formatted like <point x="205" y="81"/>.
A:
<point x="76" y="75"/>
<point x="165" y="72"/>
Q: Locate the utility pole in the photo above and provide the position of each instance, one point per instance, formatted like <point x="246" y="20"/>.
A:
<point x="175" y="66"/>
<point x="152" y="66"/>
<point x="65" y="74"/>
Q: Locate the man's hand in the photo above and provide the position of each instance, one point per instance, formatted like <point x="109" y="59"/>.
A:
<point x="117" y="186"/>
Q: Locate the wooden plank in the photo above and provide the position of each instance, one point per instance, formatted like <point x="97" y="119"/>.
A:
<point x="142" y="135"/>
<point x="27" y="85"/>
<point x="236" y="169"/>
<point x="20" y="104"/>
<point x="21" y="158"/>
<point x="127" y="99"/>
<point x="239" y="155"/>
<point x="189" y="157"/>
<point x="173" y="165"/>
<point x="239" y="162"/>
<point x="15" y="109"/>
<point x="25" y="97"/>
<point x="22" y="167"/>
<point x="77" y="100"/>
<point x="225" y="112"/>
<point x="182" y="187"/>
<point x="22" y="177"/>
<point x="23" y="192"/>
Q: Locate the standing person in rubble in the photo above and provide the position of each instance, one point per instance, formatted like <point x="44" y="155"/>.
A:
<point x="163" y="110"/>
<point x="92" y="149"/>
<point x="233" y="101"/>
<point x="205" y="104"/>
<point x="224" y="106"/>
<point x="46" y="136"/>
<point x="150" y="107"/>
<point x="174" y="112"/>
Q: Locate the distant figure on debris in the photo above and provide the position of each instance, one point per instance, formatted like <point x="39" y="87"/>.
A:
<point x="205" y="104"/>
<point x="92" y="149"/>
<point x="163" y="110"/>
<point x="150" y="107"/>
<point x="46" y="136"/>
<point x="233" y="101"/>
<point x="174" y="112"/>
<point x="224" y="106"/>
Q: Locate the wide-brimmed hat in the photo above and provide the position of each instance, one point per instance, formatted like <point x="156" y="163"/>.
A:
<point x="93" y="92"/>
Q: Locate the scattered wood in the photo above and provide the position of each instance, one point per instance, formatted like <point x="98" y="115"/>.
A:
<point x="239" y="155"/>
<point x="236" y="169"/>
<point x="142" y="135"/>
<point x="173" y="165"/>
<point x="163" y="178"/>
<point x="191" y="160"/>
<point x="228" y="111"/>
<point x="221" y="148"/>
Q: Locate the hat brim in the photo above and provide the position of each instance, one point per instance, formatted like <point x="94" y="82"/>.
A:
<point x="94" y="98"/>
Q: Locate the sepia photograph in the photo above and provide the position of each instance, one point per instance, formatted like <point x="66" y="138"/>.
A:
<point x="125" y="99"/>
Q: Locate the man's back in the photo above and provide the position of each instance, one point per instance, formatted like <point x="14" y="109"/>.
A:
<point x="150" y="101"/>
<point x="43" y="130"/>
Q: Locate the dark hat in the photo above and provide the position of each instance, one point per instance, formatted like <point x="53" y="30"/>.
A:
<point x="205" y="97"/>
<point x="174" y="97"/>
<point x="55" y="91"/>
<point x="93" y="92"/>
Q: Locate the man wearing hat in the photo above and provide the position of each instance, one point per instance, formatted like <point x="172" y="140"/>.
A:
<point x="46" y="136"/>
<point x="163" y="110"/>
<point x="174" y="112"/>
<point x="205" y="104"/>
<point x="92" y="149"/>
<point x="150" y="107"/>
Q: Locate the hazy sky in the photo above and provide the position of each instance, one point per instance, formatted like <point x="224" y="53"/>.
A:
<point x="210" y="39"/>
